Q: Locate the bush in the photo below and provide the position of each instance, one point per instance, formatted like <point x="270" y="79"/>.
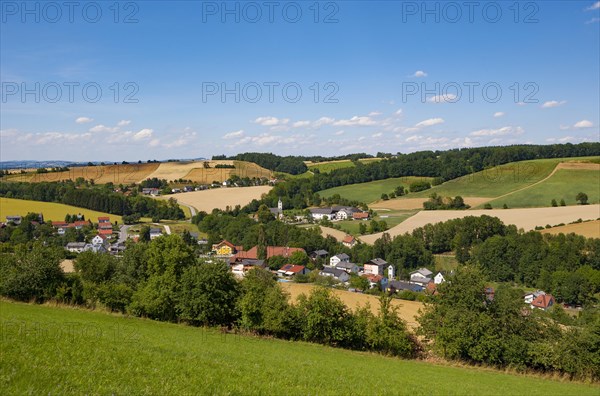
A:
<point x="420" y="185"/>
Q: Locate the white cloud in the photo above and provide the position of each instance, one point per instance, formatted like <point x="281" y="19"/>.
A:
<point x="124" y="123"/>
<point x="102" y="128"/>
<point x="377" y="135"/>
<point x="561" y="139"/>
<point x="594" y="6"/>
<point x="356" y="121"/>
<point x="323" y="121"/>
<point x="375" y="113"/>
<point x="593" y="20"/>
<point x="398" y="112"/>
<point x="553" y="103"/>
<point x="445" y="98"/>
<point x="339" y="133"/>
<point x="83" y="120"/>
<point x="154" y="143"/>
<point x="143" y="134"/>
<point x="271" y="121"/>
<point x="583" y="124"/>
<point x="498" y="114"/>
<point x="420" y="73"/>
<point x="234" y="135"/>
<point x="508" y="130"/>
<point x="429" y="122"/>
<point x="300" y="124"/>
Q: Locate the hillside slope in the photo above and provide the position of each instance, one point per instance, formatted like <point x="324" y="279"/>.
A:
<point x="48" y="350"/>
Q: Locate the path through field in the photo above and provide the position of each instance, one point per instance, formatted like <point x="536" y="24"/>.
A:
<point x="527" y="218"/>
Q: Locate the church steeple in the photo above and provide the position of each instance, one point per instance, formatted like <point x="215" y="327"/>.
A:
<point x="280" y="205"/>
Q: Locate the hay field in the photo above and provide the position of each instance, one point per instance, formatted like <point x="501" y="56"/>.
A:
<point x="337" y="234"/>
<point x="51" y="210"/>
<point x="408" y="310"/>
<point x="207" y="200"/>
<point x="589" y="229"/>
<point x="526" y="218"/>
<point x="101" y="174"/>
<point x="196" y="172"/>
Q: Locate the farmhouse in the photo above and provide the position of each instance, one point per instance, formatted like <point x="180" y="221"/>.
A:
<point x="99" y="239"/>
<point x="360" y="216"/>
<point x="291" y="270"/>
<point x="155" y="233"/>
<point x="322" y="213"/>
<point x="334" y="213"/>
<point x="75" y="247"/>
<point x="241" y="267"/>
<point x="376" y="267"/>
<point x="421" y="276"/>
<point x="150" y="191"/>
<point x="14" y="219"/>
<point x="439" y="278"/>
<point x="376" y="279"/>
<point x="252" y="253"/>
<point x="104" y="219"/>
<point x="335" y="273"/>
<point x="349" y="241"/>
<point x="319" y="254"/>
<point x="339" y="258"/>
<point x="396" y="286"/>
<point x="225" y="248"/>
<point x="543" y="301"/>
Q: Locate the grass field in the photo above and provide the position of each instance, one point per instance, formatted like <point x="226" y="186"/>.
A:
<point x="392" y="218"/>
<point x="52" y="350"/>
<point x="563" y="184"/>
<point x="445" y="262"/>
<point x="371" y="191"/>
<point x="51" y="211"/>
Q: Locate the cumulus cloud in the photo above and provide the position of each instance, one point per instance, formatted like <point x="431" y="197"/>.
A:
<point x="420" y="73"/>
<point x="377" y="135"/>
<point x="429" y="122"/>
<point x="356" y="121"/>
<point x="445" y="98"/>
<point x="553" y="103"/>
<point x="508" y="130"/>
<point x="593" y="20"/>
<point x="143" y="134"/>
<point x="124" y="123"/>
<point x="301" y="124"/>
<point x="234" y="135"/>
<point x="271" y="121"/>
<point x="339" y="133"/>
<point x="498" y="114"/>
<point x="83" y="120"/>
<point x="102" y="128"/>
<point x="583" y="124"/>
<point x="595" y="6"/>
<point x="374" y="113"/>
<point x="323" y="121"/>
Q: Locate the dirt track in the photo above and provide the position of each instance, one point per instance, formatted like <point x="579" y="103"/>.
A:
<point x="527" y="219"/>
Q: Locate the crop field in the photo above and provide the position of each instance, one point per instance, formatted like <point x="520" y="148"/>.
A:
<point x="136" y="173"/>
<point x="526" y="218"/>
<point x="589" y="229"/>
<point x="328" y="166"/>
<point x="51" y="210"/>
<point x="564" y="184"/>
<point x="207" y="200"/>
<point x="57" y="350"/>
<point x="371" y="191"/>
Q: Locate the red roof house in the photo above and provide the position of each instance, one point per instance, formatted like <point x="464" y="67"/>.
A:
<point x="105" y="232"/>
<point x="543" y="301"/>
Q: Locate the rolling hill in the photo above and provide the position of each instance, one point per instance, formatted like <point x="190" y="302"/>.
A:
<point x="48" y="350"/>
<point x="51" y="210"/>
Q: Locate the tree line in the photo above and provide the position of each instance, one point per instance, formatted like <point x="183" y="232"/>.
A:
<point x="101" y="199"/>
<point x="291" y="164"/>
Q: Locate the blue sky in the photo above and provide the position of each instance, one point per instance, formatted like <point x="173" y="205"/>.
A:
<point x="374" y="76"/>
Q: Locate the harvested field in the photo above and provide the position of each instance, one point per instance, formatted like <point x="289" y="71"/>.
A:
<point x="589" y="229"/>
<point x="337" y="234"/>
<point x="67" y="266"/>
<point x="117" y="174"/>
<point x="417" y="203"/>
<point x="408" y="310"/>
<point x="220" y="198"/>
<point x="527" y="218"/>
<point x="197" y="172"/>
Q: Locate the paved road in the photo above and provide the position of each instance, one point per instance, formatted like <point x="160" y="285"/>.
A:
<point x="123" y="233"/>
<point x="191" y="208"/>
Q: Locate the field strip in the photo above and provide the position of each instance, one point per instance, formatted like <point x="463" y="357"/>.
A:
<point x="407" y="310"/>
<point x="337" y="234"/>
<point x="527" y="218"/>
<point x="220" y="198"/>
<point x="589" y="229"/>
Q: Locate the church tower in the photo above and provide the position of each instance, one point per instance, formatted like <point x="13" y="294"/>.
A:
<point x="280" y="205"/>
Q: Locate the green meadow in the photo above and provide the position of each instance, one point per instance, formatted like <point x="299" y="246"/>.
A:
<point x="59" y="350"/>
<point x="51" y="210"/>
<point x="564" y="184"/>
<point x="329" y="166"/>
<point x="371" y="191"/>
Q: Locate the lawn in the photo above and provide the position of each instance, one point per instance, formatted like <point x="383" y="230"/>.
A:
<point x="371" y="191"/>
<point x="564" y="184"/>
<point x="445" y="262"/>
<point x="54" y="350"/>
<point x="51" y="210"/>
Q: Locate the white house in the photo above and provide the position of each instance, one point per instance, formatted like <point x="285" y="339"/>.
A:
<point x="155" y="233"/>
<point x="322" y="213"/>
<point x="421" y="275"/>
<point x="529" y="297"/>
<point x="376" y="267"/>
<point x="438" y="278"/>
<point x="335" y="260"/>
<point x="75" y="247"/>
<point x="97" y="240"/>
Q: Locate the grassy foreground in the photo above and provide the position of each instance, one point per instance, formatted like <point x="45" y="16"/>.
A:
<point x="51" y="210"/>
<point x="50" y="350"/>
